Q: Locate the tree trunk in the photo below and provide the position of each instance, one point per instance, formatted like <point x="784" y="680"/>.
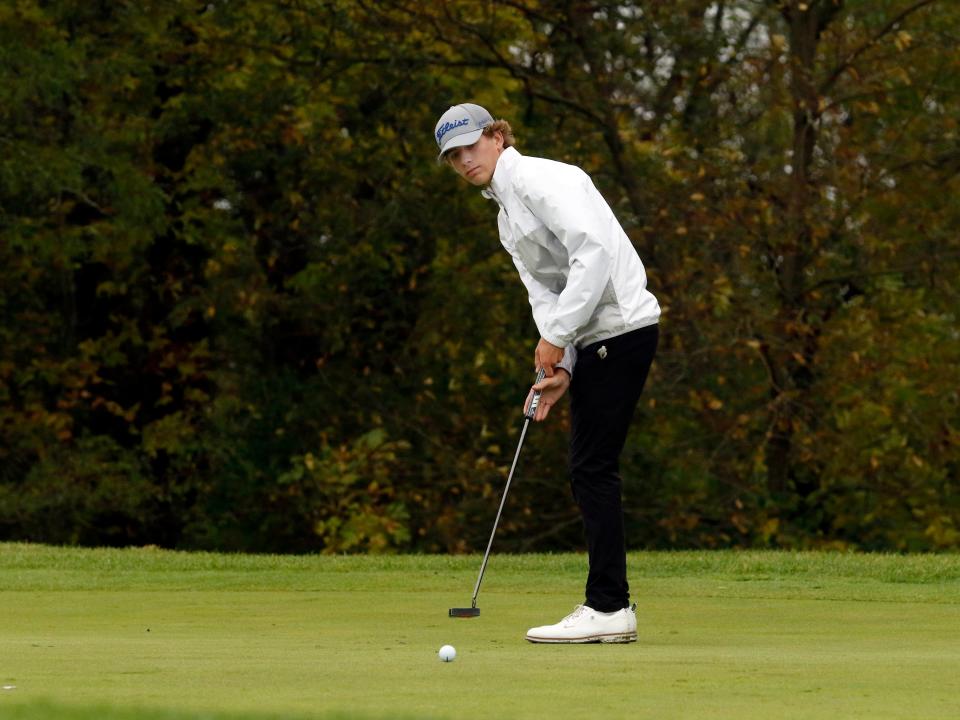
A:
<point x="806" y="21"/>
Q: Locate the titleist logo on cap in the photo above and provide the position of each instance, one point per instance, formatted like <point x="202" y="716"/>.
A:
<point x="447" y="127"/>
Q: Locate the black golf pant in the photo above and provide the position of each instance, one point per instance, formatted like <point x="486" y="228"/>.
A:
<point x="607" y="381"/>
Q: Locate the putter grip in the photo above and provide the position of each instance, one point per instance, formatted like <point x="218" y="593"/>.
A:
<point x="531" y="411"/>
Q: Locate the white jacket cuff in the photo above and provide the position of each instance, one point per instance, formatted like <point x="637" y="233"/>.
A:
<point x="569" y="359"/>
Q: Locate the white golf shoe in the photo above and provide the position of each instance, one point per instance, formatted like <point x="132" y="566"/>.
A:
<point x="586" y="625"/>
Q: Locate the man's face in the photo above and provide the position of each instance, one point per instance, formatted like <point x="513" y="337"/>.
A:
<point x="476" y="163"/>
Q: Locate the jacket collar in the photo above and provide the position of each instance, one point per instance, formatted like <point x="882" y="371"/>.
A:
<point x="502" y="174"/>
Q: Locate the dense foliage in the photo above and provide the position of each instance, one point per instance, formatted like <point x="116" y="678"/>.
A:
<point x="241" y="307"/>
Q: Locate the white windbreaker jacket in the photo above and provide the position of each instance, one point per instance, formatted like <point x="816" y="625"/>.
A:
<point x="584" y="278"/>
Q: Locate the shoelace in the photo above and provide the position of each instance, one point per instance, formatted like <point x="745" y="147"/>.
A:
<point x="577" y="612"/>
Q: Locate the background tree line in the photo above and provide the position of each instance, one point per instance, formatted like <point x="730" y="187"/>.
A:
<point x="243" y="308"/>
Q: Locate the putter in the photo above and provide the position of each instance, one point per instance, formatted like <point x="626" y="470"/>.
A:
<point x="473" y="610"/>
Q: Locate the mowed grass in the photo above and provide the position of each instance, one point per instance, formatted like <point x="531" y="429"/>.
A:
<point x="157" y="635"/>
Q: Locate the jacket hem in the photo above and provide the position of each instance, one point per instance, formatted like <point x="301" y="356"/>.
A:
<point x="583" y="342"/>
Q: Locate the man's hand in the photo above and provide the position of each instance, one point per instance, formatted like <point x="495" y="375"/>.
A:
<point x="551" y="390"/>
<point x="546" y="356"/>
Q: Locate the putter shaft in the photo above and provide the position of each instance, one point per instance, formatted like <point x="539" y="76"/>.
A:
<point x="528" y="416"/>
<point x="503" y="500"/>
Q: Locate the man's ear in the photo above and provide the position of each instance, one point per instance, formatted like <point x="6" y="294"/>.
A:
<point x="498" y="139"/>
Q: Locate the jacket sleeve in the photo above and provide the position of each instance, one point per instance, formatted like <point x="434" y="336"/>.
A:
<point x="542" y="302"/>
<point x="575" y="212"/>
<point x="542" y="299"/>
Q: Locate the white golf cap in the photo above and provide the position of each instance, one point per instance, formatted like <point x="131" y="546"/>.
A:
<point x="461" y="125"/>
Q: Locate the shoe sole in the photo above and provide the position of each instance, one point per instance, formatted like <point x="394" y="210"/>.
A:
<point x="611" y="638"/>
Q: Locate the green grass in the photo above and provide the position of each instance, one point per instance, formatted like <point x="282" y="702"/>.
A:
<point x="156" y="635"/>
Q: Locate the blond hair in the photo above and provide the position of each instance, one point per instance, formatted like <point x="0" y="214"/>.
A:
<point x="504" y="127"/>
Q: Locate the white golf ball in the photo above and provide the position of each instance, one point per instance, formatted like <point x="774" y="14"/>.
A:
<point x="447" y="653"/>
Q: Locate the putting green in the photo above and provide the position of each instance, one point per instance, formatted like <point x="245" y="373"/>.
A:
<point x="143" y="633"/>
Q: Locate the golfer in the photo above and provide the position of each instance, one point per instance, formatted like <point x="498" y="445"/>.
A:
<point x="598" y="335"/>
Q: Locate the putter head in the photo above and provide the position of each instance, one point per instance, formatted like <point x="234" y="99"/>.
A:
<point x="465" y="612"/>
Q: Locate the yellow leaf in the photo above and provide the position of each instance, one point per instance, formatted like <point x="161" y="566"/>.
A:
<point x="770" y="527"/>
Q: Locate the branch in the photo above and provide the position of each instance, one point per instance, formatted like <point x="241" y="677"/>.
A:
<point x="886" y="29"/>
<point x="886" y="91"/>
<point x="521" y="73"/>
<point x="853" y="277"/>
<point x="555" y="529"/>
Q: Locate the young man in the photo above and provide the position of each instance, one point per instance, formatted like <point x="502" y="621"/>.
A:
<point x="598" y="335"/>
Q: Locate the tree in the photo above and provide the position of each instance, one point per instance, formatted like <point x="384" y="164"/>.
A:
<point x="243" y="309"/>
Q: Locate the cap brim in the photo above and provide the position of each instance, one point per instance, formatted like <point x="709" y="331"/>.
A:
<point x="467" y="138"/>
